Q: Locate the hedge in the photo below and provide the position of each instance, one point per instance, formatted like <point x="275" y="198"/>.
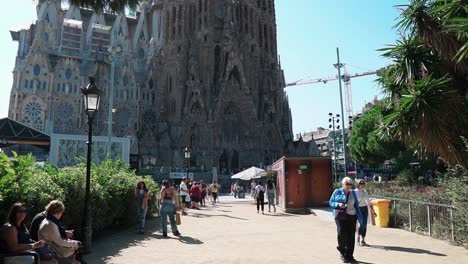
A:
<point x="112" y="190"/>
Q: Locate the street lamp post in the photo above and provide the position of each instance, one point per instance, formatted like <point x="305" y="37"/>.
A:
<point x="187" y="153"/>
<point x="112" y="57"/>
<point x="333" y="120"/>
<point x="338" y="65"/>
<point x="91" y="96"/>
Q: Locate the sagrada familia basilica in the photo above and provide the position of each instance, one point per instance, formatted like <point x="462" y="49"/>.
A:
<point x="202" y="74"/>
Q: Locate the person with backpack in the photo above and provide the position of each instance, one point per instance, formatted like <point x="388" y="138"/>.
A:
<point x="260" y="190"/>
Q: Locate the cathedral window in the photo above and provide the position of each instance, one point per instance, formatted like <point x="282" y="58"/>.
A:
<point x="25" y="83"/>
<point x="44" y="85"/>
<point x="68" y="73"/>
<point x="37" y="69"/>
<point x="31" y="84"/>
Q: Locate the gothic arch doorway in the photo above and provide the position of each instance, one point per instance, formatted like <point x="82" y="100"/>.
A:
<point x="234" y="160"/>
<point x="223" y="162"/>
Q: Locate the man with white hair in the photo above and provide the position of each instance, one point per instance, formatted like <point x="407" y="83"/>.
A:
<point x="346" y="213"/>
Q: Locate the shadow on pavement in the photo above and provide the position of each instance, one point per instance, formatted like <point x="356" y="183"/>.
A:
<point x="223" y="215"/>
<point x="190" y="240"/>
<point x="409" y="250"/>
<point x="281" y="215"/>
<point x="111" y="245"/>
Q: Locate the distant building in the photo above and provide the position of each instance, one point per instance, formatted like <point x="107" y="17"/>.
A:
<point x="198" y="74"/>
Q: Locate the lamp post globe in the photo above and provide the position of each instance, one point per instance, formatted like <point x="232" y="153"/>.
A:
<point x="91" y="97"/>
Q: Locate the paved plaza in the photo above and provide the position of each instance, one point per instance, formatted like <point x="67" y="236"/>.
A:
<point x="233" y="232"/>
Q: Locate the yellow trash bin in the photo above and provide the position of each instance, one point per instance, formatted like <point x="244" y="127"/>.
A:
<point x="381" y="208"/>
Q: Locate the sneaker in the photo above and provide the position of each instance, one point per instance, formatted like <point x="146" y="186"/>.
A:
<point x="164" y="234"/>
<point x="176" y="233"/>
<point x="364" y="244"/>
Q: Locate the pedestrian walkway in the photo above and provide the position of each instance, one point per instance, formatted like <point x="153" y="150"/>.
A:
<point x="233" y="232"/>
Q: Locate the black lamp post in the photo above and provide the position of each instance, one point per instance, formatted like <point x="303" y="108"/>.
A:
<point x="91" y="96"/>
<point x="187" y="153"/>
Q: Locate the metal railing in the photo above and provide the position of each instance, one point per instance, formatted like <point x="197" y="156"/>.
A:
<point x="432" y="219"/>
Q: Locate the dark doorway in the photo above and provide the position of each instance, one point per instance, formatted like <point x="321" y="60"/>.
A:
<point x="222" y="163"/>
<point x="235" y="160"/>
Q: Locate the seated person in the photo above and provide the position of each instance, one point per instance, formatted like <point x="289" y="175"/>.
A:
<point x="36" y="223"/>
<point x="52" y="231"/>
<point x="15" y="238"/>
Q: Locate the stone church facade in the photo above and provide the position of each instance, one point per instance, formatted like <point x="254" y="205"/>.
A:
<point x="202" y="74"/>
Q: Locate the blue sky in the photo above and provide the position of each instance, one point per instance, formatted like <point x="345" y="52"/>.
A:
<point x="308" y="33"/>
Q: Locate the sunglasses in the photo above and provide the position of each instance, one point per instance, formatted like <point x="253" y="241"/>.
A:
<point x="349" y="184"/>
<point x="362" y="183"/>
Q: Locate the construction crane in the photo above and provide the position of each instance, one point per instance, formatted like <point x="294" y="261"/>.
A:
<point x="346" y="77"/>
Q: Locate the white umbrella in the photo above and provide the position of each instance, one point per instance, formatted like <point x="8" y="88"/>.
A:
<point x="248" y="174"/>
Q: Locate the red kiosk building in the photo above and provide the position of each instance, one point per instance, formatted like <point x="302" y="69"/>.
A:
<point x="303" y="182"/>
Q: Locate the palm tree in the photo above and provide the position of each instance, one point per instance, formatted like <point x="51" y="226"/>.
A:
<point x="427" y="84"/>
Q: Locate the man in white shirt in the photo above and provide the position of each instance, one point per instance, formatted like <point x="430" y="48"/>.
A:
<point x="184" y="193"/>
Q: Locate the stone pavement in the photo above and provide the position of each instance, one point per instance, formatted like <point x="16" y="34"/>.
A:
<point x="233" y="232"/>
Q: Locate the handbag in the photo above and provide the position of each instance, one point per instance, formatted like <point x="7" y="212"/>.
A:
<point x="46" y="253"/>
<point x="187" y="198"/>
<point x="340" y="214"/>
<point x="178" y="220"/>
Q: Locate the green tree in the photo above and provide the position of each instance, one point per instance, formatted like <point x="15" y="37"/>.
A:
<point x="113" y="6"/>
<point x="426" y="83"/>
<point x="365" y="143"/>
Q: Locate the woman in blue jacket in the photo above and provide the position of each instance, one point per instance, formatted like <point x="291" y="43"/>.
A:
<point x="346" y="213"/>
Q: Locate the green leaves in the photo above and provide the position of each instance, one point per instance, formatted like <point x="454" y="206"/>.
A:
<point x="367" y="145"/>
<point x="112" y="186"/>
<point x="426" y="85"/>
<point x="113" y="6"/>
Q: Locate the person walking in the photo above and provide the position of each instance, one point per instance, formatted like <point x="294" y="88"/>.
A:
<point x="364" y="205"/>
<point x="204" y="190"/>
<point x="271" y="193"/>
<point x="214" y="191"/>
<point x="184" y="195"/>
<point x="142" y="195"/>
<point x="346" y="212"/>
<point x="169" y="204"/>
<point x="195" y="195"/>
<point x="260" y="190"/>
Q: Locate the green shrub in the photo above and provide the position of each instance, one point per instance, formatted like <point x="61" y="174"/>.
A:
<point x="112" y="190"/>
<point x="456" y="184"/>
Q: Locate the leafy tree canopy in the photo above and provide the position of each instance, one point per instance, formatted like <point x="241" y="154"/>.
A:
<point x="366" y="144"/>
<point x="113" y="6"/>
<point x="427" y="84"/>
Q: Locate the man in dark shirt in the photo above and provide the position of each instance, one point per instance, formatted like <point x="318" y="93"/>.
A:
<point x="36" y="223"/>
